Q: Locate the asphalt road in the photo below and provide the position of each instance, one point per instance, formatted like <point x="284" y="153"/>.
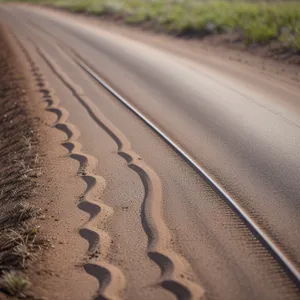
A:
<point x="241" y="126"/>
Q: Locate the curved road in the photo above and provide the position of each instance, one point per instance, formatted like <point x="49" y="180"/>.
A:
<point x="243" y="128"/>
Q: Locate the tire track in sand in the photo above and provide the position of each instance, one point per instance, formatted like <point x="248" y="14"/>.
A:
<point x="111" y="280"/>
<point x="176" y="274"/>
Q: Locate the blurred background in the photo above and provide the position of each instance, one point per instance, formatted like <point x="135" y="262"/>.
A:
<point x="249" y="22"/>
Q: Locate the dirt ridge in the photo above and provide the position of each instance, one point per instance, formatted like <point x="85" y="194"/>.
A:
<point x="111" y="280"/>
<point x="175" y="271"/>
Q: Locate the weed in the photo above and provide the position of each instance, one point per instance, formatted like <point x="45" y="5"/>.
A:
<point x="13" y="283"/>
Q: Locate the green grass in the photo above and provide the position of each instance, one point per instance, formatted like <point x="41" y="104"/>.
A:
<point x="255" y="22"/>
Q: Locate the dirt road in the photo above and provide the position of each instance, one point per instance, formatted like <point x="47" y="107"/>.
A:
<point x="157" y="229"/>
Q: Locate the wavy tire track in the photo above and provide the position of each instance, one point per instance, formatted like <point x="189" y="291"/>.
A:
<point x="111" y="280"/>
<point x="175" y="271"/>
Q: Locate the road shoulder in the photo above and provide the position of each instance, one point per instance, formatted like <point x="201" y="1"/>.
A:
<point x="53" y="271"/>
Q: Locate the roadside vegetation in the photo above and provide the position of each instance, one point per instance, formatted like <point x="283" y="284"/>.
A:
<point x="19" y="234"/>
<point x="251" y="22"/>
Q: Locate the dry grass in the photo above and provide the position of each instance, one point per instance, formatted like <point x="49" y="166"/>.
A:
<point x="19" y="239"/>
<point x="19" y="245"/>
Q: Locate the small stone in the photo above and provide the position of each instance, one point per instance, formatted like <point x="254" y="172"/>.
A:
<point x="35" y="174"/>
